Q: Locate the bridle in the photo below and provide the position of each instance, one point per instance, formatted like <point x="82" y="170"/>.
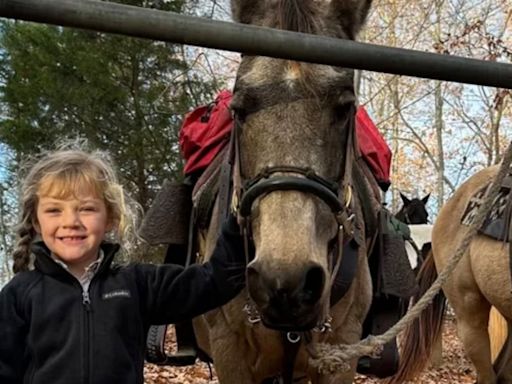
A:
<point x="337" y="195"/>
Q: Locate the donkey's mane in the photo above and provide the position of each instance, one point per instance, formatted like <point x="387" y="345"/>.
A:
<point x="299" y="16"/>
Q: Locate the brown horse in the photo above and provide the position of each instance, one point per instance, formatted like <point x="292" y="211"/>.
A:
<point x="296" y="158"/>
<point x="481" y="280"/>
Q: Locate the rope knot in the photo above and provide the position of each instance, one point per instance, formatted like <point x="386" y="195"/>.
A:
<point x="329" y="358"/>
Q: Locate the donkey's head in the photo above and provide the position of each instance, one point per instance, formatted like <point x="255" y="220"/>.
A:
<point x="413" y="211"/>
<point x="294" y="121"/>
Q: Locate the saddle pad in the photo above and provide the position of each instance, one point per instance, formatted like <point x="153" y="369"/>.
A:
<point x="167" y="220"/>
<point x="396" y="276"/>
<point x="496" y="223"/>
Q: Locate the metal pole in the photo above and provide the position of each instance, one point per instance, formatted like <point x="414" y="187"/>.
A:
<point x="166" y="26"/>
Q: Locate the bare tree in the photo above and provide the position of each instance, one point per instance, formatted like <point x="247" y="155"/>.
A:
<point x="8" y="214"/>
<point x="436" y="118"/>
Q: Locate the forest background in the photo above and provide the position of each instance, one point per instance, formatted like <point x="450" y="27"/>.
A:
<point x="129" y="96"/>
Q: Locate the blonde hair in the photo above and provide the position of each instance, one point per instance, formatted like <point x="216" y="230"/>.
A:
<point x="64" y="173"/>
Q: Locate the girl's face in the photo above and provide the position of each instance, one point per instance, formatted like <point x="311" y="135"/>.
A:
<point x="73" y="228"/>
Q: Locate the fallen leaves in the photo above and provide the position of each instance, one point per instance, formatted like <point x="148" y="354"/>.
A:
<point x="454" y="369"/>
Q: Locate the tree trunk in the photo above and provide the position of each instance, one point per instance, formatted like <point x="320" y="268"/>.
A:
<point x="438" y="94"/>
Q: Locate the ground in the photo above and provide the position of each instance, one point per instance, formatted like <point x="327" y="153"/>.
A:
<point x="455" y="368"/>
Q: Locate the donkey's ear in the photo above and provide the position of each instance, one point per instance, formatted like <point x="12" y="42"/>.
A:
<point x="243" y="11"/>
<point x="405" y="200"/>
<point x="425" y="199"/>
<point x="351" y="14"/>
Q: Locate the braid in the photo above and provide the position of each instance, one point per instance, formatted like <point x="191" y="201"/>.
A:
<point x="25" y="231"/>
<point x="21" y="253"/>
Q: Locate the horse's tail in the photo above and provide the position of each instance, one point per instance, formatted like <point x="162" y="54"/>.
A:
<point x="420" y="336"/>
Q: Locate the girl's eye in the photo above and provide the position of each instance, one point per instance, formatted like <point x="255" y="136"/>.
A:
<point x="88" y="209"/>
<point x="51" y="210"/>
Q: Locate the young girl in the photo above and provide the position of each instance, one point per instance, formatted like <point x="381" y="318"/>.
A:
<point x="75" y="317"/>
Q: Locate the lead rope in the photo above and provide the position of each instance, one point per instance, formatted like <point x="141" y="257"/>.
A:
<point x="329" y="358"/>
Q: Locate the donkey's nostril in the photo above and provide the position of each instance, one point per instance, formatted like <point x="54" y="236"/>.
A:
<point x="313" y="284"/>
<point x="257" y="289"/>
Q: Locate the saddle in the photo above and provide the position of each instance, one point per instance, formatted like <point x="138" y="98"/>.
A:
<point x="174" y="201"/>
<point x="498" y="221"/>
<point x="178" y="211"/>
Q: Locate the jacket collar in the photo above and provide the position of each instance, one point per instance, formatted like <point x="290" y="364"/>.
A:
<point x="44" y="262"/>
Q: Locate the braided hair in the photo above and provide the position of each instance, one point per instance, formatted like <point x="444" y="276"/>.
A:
<point x="63" y="173"/>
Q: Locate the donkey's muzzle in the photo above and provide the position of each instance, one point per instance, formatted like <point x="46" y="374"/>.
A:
<point x="287" y="300"/>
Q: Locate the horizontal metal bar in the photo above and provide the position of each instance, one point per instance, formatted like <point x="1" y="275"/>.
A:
<point x="171" y="27"/>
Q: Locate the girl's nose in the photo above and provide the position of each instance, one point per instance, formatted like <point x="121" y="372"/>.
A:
<point x="71" y="218"/>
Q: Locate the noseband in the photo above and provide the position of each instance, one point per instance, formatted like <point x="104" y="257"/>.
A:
<point x="265" y="183"/>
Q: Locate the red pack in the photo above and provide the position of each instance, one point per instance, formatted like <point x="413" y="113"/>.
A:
<point x="374" y="148"/>
<point x="205" y="131"/>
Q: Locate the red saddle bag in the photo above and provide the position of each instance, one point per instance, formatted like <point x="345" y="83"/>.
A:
<point x="374" y="148"/>
<point x="206" y="130"/>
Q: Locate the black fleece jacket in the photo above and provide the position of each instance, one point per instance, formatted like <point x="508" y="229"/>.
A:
<point x="50" y="333"/>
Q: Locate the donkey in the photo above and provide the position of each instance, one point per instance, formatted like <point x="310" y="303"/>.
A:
<point x="300" y="204"/>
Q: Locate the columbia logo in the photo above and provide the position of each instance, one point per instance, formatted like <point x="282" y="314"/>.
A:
<point x="118" y="293"/>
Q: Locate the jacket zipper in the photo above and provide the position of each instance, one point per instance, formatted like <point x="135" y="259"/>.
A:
<point x="86" y="301"/>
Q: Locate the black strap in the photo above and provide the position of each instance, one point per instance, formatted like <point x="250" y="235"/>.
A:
<point x="225" y="185"/>
<point x="291" y="349"/>
<point x="346" y="272"/>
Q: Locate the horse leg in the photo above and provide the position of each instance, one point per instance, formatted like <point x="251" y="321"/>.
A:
<point x="230" y="365"/>
<point x="217" y="336"/>
<point x="503" y="363"/>
<point x="472" y="324"/>
<point x="228" y="355"/>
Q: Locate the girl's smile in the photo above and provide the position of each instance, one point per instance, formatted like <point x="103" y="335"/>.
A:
<point x="73" y="228"/>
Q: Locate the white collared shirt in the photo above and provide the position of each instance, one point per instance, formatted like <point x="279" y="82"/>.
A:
<point x="90" y="271"/>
